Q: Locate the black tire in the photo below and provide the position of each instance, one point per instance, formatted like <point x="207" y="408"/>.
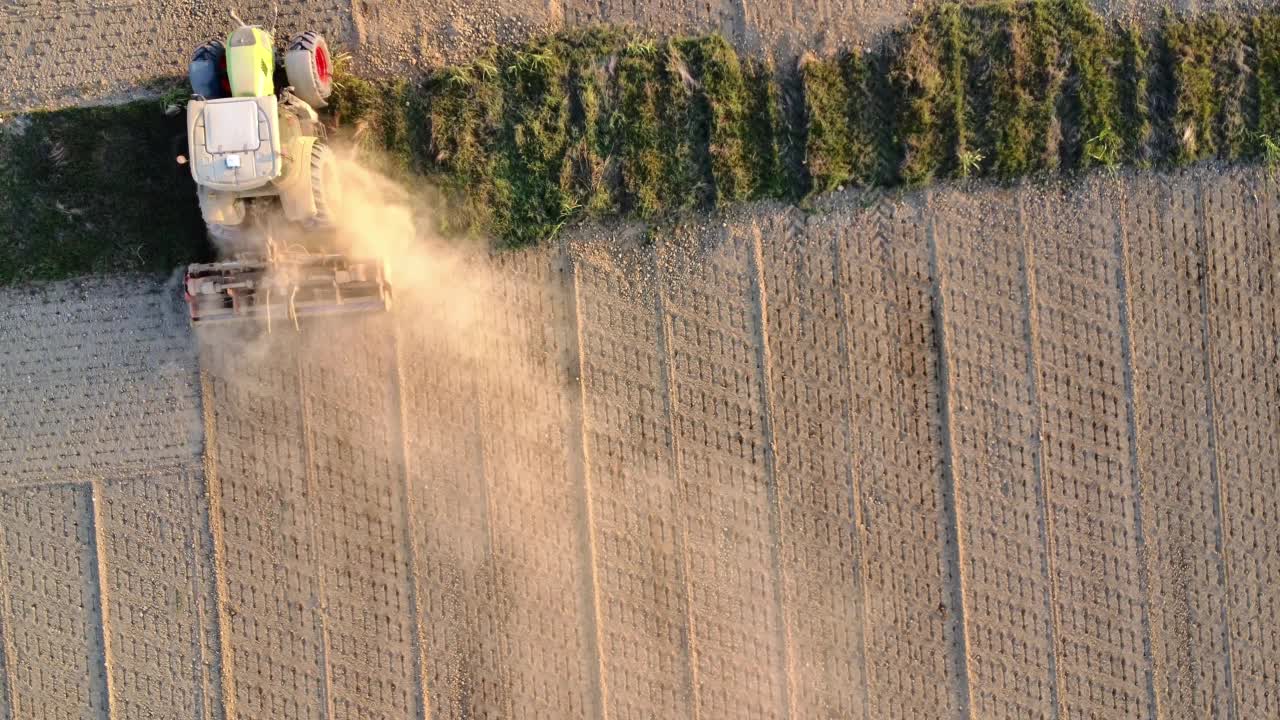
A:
<point x="325" y="187"/>
<point x="309" y="66"/>
<point x="207" y="71"/>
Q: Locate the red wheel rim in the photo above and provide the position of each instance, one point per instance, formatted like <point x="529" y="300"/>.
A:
<point x="223" y="79"/>
<point x="322" y="64"/>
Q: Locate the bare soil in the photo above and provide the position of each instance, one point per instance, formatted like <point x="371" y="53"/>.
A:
<point x="976" y="452"/>
<point x="55" y="54"/>
<point x="971" y="452"/>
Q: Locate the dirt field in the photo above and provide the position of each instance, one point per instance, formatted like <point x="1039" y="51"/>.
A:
<point x="88" y="51"/>
<point x="970" y="453"/>
<point x="69" y="52"/>
<point x="103" y="528"/>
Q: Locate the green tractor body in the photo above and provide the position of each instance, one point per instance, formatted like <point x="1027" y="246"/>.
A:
<point x="258" y="156"/>
<point x="251" y="62"/>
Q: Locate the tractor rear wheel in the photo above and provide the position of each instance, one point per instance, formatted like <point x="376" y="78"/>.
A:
<point x="310" y="68"/>
<point x="227" y="238"/>
<point x="326" y="189"/>
<point x="208" y="71"/>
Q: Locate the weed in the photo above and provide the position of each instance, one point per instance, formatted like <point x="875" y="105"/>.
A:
<point x="970" y="162"/>
<point x="1270" y="153"/>
<point x="1104" y="149"/>
<point x="647" y="49"/>
<point x="174" y="100"/>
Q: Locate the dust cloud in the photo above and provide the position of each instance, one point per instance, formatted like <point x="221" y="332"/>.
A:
<point x="469" y="382"/>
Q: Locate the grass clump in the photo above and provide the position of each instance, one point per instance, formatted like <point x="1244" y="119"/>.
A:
<point x="531" y="196"/>
<point x="921" y="116"/>
<point x="1093" y="138"/>
<point x="1008" y="130"/>
<point x="766" y="131"/>
<point x="1136" y="128"/>
<point x="1266" y="37"/>
<point x="930" y="74"/>
<point x="1047" y="78"/>
<point x="684" y="131"/>
<point x="725" y="103"/>
<point x="844" y="129"/>
<point x="643" y="158"/>
<point x="1211" y="87"/>
<point x="832" y="151"/>
<point x="592" y="174"/>
<point x="463" y="109"/>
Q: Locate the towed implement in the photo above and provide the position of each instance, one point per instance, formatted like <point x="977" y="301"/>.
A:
<point x="285" y="288"/>
<point x="258" y="155"/>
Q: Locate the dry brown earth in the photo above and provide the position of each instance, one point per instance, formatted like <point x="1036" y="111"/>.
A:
<point x="974" y="452"/>
<point x="70" y="52"/>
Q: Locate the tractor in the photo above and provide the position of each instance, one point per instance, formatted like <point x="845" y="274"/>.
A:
<point x="260" y="161"/>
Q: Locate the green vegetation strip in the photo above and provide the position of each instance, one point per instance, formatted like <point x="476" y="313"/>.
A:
<point x="606" y="123"/>
<point x="95" y="190"/>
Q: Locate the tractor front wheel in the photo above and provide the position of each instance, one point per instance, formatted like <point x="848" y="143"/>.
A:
<point x="310" y="68"/>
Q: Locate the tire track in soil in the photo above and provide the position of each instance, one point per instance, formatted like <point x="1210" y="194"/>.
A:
<point x="217" y="551"/>
<point x="987" y="311"/>
<point x="575" y="433"/>
<point x="718" y="409"/>
<point x="820" y="548"/>
<point x="154" y="598"/>
<point x="412" y="528"/>
<point x="1174" y="435"/>
<point x="462" y="651"/>
<point x="640" y="558"/>
<point x="1088" y="456"/>
<point x="899" y="445"/>
<point x="9" y="707"/>
<point x="46" y="537"/>
<point x="98" y="538"/>
<point x="354" y="450"/>
<point x="1146" y="350"/>
<point x="538" y="552"/>
<point x="311" y="496"/>
<point x="765" y="369"/>
<point x="1240" y="226"/>
<point x="269" y="563"/>
<point x="952" y="542"/>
